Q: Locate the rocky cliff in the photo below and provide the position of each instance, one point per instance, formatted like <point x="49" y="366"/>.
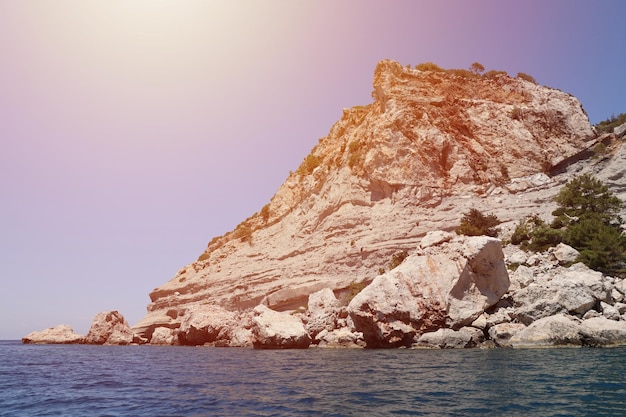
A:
<point x="431" y="145"/>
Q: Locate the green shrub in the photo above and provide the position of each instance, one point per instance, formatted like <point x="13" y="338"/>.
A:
<point x="533" y="234"/>
<point x="599" y="150"/>
<point x="590" y="213"/>
<point x="243" y="232"/>
<point x="265" y="213"/>
<point x="462" y="73"/>
<point x="607" y="126"/>
<point x="477" y="68"/>
<point x="474" y="223"/>
<point x="526" y="77"/>
<point x="544" y="237"/>
<point x="602" y="247"/>
<point x="586" y="196"/>
<point x="308" y="165"/>
<point x="428" y="66"/>
<point x="494" y="74"/>
<point x="522" y="233"/>
<point x="354" y="288"/>
<point x="397" y="259"/>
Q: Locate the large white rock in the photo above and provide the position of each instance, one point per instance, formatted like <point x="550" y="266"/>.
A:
<point x="604" y="332"/>
<point x="557" y="330"/>
<point x="448" y="285"/>
<point x="620" y="130"/>
<point x="164" y="336"/>
<point x="340" y="338"/>
<point x="323" y="312"/>
<point x="61" y="334"/>
<point x="565" y="254"/>
<point x="110" y="328"/>
<point x="501" y="333"/>
<point x="205" y="324"/>
<point x="465" y="337"/>
<point x="609" y="311"/>
<point x="573" y="290"/>
<point x="274" y="330"/>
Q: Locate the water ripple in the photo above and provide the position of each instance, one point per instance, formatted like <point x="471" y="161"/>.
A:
<point x="178" y="381"/>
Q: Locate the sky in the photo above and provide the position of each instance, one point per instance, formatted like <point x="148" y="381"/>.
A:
<point x="134" y="131"/>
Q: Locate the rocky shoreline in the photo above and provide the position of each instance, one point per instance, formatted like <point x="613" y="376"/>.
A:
<point x="451" y="292"/>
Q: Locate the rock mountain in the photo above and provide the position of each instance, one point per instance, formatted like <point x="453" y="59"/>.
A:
<point x="431" y="145"/>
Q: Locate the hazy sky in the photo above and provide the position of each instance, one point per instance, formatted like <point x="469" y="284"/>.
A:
<point x="133" y="131"/>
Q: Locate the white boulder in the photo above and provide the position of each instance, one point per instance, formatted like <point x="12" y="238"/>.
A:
<point x="557" y="330"/>
<point x="206" y="324"/>
<point x="448" y="285"/>
<point x="274" y="330"/>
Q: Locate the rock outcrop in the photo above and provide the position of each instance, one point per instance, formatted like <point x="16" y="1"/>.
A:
<point x="430" y="145"/>
<point x="274" y="330"/>
<point x="109" y="328"/>
<point x="214" y="325"/>
<point x="446" y="285"/>
<point x="61" y="334"/>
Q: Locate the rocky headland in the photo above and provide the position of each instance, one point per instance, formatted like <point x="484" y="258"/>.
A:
<point x="357" y="249"/>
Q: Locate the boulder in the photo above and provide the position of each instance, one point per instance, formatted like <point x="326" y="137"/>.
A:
<point x="109" y="328"/>
<point x="61" y="334"/>
<point x="480" y="322"/>
<point x="240" y="337"/>
<point x="435" y="237"/>
<point x="451" y="339"/>
<point x="448" y="285"/>
<point x="609" y="311"/>
<point x="601" y="331"/>
<point x="518" y="257"/>
<point x="164" y="336"/>
<point x="501" y="333"/>
<point x="522" y="277"/>
<point x="573" y="290"/>
<point x="206" y="324"/>
<point x="620" y="130"/>
<point x="557" y="330"/>
<point x="565" y="254"/>
<point x="274" y="330"/>
<point x="340" y="338"/>
<point x="617" y="296"/>
<point x="323" y="312"/>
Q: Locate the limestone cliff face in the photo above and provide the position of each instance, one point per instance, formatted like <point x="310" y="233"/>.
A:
<point x="386" y="174"/>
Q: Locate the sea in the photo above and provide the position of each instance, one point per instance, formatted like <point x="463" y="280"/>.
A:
<point x="85" y="380"/>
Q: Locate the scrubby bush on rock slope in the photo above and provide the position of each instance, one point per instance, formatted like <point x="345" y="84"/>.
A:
<point x="587" y="219"/>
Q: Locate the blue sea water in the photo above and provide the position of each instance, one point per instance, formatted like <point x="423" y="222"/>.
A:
<point x="81" y="380"/>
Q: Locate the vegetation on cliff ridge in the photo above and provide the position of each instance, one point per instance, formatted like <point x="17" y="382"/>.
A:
<point x="588" y="219"/>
